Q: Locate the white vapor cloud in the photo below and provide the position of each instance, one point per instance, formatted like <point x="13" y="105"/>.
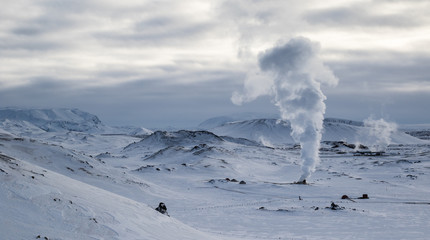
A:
<point x="377" y="134"/>
<point x="293" y="75"/>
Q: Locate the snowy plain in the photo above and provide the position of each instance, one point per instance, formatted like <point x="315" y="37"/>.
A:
<point x="66" y="175"/>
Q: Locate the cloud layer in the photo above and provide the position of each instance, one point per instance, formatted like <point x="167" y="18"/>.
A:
<point x="379" y="47"/>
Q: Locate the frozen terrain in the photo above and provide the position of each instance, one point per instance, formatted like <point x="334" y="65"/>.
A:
<point x="66" y="175"/>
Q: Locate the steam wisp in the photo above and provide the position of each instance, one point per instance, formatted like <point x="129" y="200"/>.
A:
<point x="293" y="73"/>
<point x="377" y="134"/>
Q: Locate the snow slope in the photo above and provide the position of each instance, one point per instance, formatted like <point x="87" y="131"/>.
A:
<point x="6" y="135"/>
<point x="39" y="202"/>
<point x="55" y="202"/>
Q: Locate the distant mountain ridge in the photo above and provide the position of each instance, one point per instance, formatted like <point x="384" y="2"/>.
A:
<point x="217" y="121"/>
<point x="275" y="131"/>
<point x="44" y="115"/>
<point x="20" y="120"/>
<point x="266" y="131"/>
<point x="53" y="119"/>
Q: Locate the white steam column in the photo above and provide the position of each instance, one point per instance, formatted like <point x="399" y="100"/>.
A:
<point x="292" y="73"/>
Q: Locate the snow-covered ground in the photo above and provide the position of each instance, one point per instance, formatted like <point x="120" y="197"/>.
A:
<point x="232" y="181"/>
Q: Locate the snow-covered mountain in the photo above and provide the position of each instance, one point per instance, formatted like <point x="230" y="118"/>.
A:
<point x="234" y="182"/>
<point x="32" y="121"/>
<point x="238" y="117"/>
<point x="278" y="132"/>
<point x="52" y="120"/>
<point x="261" y="130"/>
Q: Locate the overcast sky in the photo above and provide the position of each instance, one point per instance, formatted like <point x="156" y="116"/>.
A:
<point x="177" y="63"/>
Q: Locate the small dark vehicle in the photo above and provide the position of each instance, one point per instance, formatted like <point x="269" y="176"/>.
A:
<point x="162" y="209"/>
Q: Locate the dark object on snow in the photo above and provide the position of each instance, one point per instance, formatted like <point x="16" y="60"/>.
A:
<point x="242" y="182"/>
<point x="368" y="153"/>
<point x="233" y="180"/>
<point x="365" y="196"/>
<point x="334" y="206"/>
<point x="347" y="198"/>
<point x="300" y="198"/>
<point x="162" y="208"/>
<point x="301" y="182"/>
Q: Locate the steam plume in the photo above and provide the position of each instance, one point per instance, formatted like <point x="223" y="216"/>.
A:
<point x="378" y="134"/>
<point x="292" y="73"/>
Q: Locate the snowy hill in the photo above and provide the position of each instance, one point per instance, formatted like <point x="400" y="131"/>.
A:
<point x="277" y="132"/>
<point x="182" y="137"/>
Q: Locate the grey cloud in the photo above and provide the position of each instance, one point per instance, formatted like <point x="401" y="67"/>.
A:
<point x="398" y="107"/>
<point x="27" y="30"/>
<point x="378" y="87"/>
<point x="155" y="22"/>
<point x="39" y="32"/>
<point x="116" y="73"/>
<point x="389" y="70"/>
<point x="36" y="45"/>
<point x="169" y="34"/>
<point x="68" y="5"/>
<point x="158" y="31"/>
<point x="150" y="102"/>
<point x="68" y="30"/>
<point x="53" y="16"/>
<point x="403" y="1"/>
<point x="364" y="15"/>
<point x="42" y="24"/>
